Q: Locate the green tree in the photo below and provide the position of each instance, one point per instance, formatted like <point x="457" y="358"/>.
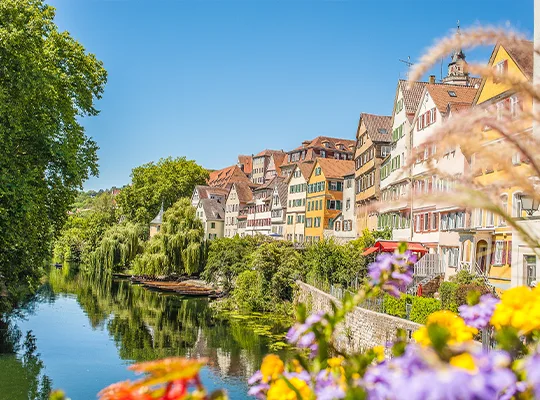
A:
<point x="179" y="248"/>
<point x="228" y="257"/>
<point x="47" y="83"/>
<point x="155" y="183"/>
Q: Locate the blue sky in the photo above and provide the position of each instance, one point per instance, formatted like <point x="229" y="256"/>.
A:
<point x="213" y="79"/>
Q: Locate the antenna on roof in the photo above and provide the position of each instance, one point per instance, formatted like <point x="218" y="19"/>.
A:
<point x="408" y="63"/>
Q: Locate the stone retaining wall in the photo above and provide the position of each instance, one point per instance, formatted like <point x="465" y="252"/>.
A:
<point x="362" y="328"/>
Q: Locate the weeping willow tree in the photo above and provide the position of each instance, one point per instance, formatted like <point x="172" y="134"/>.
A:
<point x="118" y="247"/>
<point x="179" y="248"/>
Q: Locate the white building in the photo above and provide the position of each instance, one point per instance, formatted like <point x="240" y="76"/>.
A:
<point x="278" y="208"/>
<point x="435" y="221"/>
<point x="208" y="192"/>
<point x="296" y="201"/>
<point x="212" y="213"/>
<point x="259" y="217"/>
<point x="240" y="194"/>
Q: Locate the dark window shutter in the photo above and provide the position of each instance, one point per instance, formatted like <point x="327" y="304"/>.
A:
<point x="509" y="253"/>
<point x="504" y="252"/>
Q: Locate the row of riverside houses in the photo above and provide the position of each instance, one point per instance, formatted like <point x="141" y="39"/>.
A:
<point x="332" y="187"/>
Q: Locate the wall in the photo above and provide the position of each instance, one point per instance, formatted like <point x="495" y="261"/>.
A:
<point x="362" y="328"/>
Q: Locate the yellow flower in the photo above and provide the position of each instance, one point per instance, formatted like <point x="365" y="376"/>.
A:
<point x="379" y="352"/>
<point x="459" y="332"/>
<point x="335" y="362"/>
<point x="296" y="367"/>
<point x="465" y="361"/>
<point x="271" y="367"/>
<point x="519" y="308"/>
<point x="280" y="390"/>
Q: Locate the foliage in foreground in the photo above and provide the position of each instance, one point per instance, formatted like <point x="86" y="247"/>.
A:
<point x="48" y="82"/>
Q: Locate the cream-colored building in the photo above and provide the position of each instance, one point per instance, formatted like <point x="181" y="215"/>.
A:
<point x="155" y="224"/>
<point x="296" y="201"/>
<point x="278" y="208"/>
<point x="266" y="165"/>
<point x="239" y="195"/>
<point x="212" y="214"/>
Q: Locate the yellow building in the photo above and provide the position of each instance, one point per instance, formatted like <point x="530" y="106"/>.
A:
<point x="486" y="242"/>
<point x="373" y="144"/>
<point x="324" y="199"/>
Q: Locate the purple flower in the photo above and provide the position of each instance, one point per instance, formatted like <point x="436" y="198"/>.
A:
<point x="393" y="272"/>
<point x="258" y="391"/>
<point x="256" y="377"/>
<point x="326" y="387"/>
<point x="314" y="318"/>
<point x="421" y="375"/>
<point x="532" y="368"/>
<point x="479" y="315"/>
<point x="331" y="392"/>
<point x="295" y="332"/>
<point x="306" y="340"/>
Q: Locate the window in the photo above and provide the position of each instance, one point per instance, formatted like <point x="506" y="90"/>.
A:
<point x="317" y="222"/>
<point x="490" y="221"/>
<point x="426" y="221"/>
<point x="337" y="226"/>
<point x="318" y="171"/>
<point x="498" y="253"/>
<point x="504" y="207"/>
<point x="501" y="67"/>
<point x="348" y="204"/>
<point x="451" y="93"/>
<point x="516" y="159"/>
<point x="323" y="154"/>
<point x="517" y="209"/>
<point x="515" y="107"/>
<point x="213" y="225"/>
<point x="385" y="150"/>
<point x="309" y="222"/>
<point x="529" y="263"/>
<point x="479" y="217"/>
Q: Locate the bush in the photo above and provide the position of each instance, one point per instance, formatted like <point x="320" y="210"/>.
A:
<point x="248" y="293"/>
<point x="464" y="277"/>
<point x="463" y="290"/>
<point x="422" y="307"/>
<point x="396" y="307"/>
<point x="447" y="292"/>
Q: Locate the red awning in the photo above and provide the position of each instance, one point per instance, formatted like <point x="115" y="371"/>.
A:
<point x="391" y="246"/>
<point x="370" y="250"/>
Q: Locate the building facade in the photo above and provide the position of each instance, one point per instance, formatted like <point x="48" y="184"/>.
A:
<point x="212" y="215"/>
<point x="266" y="165"/>
<point x="278" y="208"/>
<point x="240" y="194"/>
<point x="324" y="200"/>
<point x="373" y="145"/>
<point x="344" y="225"/>
<point x="296" y="201"/>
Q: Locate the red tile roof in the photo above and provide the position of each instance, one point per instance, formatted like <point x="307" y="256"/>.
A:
<point x="332" y="168"/>
<point x="379" y="127"/>
<point x="227" y="176"/>
<point x="246" y="162"/>
<point x="267" y="153"/>
<point x="443" y="95"/>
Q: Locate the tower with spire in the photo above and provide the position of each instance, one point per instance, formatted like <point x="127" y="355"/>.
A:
<point x="457" y="68"/>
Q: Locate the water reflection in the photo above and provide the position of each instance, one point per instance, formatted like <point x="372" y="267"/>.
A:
<point x="145" y="325"/>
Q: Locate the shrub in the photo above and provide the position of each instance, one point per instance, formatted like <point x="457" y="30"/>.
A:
<point x="447" y="292"/>
<point x="422" y="307"/>
<point x="395" y="307"/>
<point x="248" y="293"/>
<point x="463" y="290"/>
<point x="464" y="277"/>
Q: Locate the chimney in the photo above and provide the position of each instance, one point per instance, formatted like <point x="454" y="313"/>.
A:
<point x="306" y="143"/>
<point x="432" y="79"/>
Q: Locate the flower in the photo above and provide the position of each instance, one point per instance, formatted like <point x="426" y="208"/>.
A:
<point x="464" y="360"/>
<point x="457" y="330"/>
<point x="271" y="367"/>
<point x="125" y="391"/>
<point x="532" y="371"/>
<point x="259" y="391"/>
<point x="519" y="308"/>
<point x="479" y="315"/>
<point x="422" y="375"/>
<point x="256" y="377"/>
<point x="280" y="390"/>
<point x="392" y="272"/>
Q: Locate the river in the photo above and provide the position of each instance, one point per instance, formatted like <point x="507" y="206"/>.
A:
<point x="79" y="335"/>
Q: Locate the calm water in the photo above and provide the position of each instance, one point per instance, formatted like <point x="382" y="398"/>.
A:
<point x="80" y="336"/>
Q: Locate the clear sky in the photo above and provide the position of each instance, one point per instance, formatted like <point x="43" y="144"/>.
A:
<point x="213" y="79"/>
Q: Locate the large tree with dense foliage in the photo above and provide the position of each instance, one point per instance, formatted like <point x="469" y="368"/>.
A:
<point x="159" y="183"/>
<point x="179" y="248"/>
<point x="47" y="83"/>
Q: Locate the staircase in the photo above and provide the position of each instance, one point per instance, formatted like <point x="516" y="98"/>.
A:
<point x="475" y="269"/>
<point x="425" y="270"/>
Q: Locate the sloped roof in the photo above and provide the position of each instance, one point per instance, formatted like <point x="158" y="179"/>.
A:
<point x="279" y="159"/>
<point x="213" y="210"/>
<point x="227" y="176"/>
<point x="247" y="162"/>
<point x="443" y="95"/>
<point x="379" y="127"/>
<point x="412" y="96"/>
<point x="523" y="54"/>
<point x="305" y="168"/>
<point x="206" y="191"/>
<point x="158" y="220"/>
<point x="283" y="189"/>
<point x="332" y="142"/>
<point x="244" y="191"/>
<point x="267" y="153"/>
<point x="333" y="168"/>
<point x="457" y="107"/>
